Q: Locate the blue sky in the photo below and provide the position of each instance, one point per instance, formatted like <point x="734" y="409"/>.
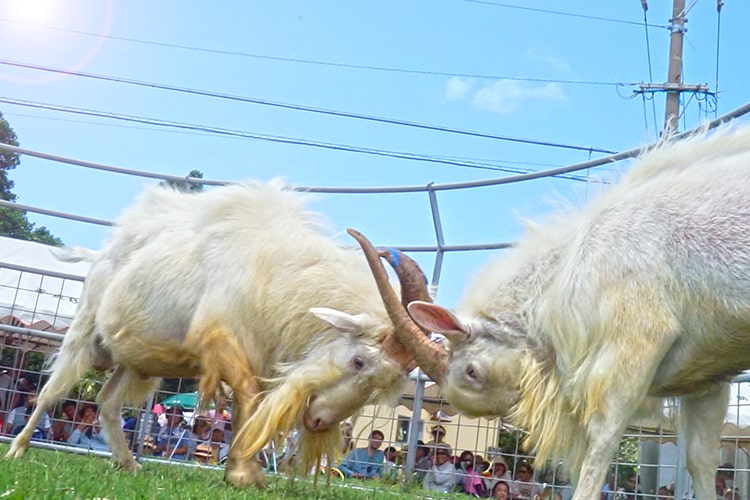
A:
<point x="400" y="60"/>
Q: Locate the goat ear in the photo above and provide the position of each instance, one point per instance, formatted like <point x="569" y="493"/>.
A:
<point x="438" y="319"/>
<point x="341" y="321"/>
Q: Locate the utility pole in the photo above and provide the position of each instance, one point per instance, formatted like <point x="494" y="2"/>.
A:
<point x="674" y="75"/>
<point x="673" y="87"/>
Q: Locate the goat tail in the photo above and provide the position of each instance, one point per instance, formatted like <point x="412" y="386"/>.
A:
<point x="75" y="254"/>
<point x="77" y="355"/>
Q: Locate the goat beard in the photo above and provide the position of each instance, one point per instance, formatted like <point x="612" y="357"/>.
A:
<point x="279" y="413"/>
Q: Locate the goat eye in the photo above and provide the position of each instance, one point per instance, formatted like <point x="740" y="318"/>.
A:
<point x="471" y="372"/>
<point x="358" y="363"/>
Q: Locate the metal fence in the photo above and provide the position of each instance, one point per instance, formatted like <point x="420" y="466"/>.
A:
<point x="37" y="305"/>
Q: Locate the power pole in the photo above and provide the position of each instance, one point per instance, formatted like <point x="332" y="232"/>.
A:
<point x="674" y="75"/>
<point x="673" y="86"/>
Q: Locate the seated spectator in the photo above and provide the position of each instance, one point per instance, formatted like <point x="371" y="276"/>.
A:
<point x="87" y="433"/>
<point x="631" y="489"/>
<point x="732" y="494"/>
<point x="498" y="471"/>
<point x="202" y="428"/>
<point x="423" y="461"/>
<point x="442" y="474"/>
<point x="724" y="479"/>
<point x="18" y="417"/>
<point x="220" y="415"/>
<point x="149" y="445"/>
<point x="203" y="454"/>
<point x="129" y="425"/>
<point x="365" y="463"/>
<point x="25" y="390"/>
<point x="524" y="486"/>
<point x="219" y="446"/>
<point x="174" y="439"/>
<point x="501" y="491"/>
<point x="557" y="484"/>
<point x="438" y="436"/>
<point x="463" y="464"/>
<point x="549" y="493"/>
<point x="202" y="434"/>
<point x="391" y="467"/>
<point x="63" y="427"/>
<point x="666" y="493"/>
<point x="468" y="479"/>
<point x="347" y="431"/>
<point x="609" y="490"/>
<point x="5" y="392"/>
<point x="481" y="466"/>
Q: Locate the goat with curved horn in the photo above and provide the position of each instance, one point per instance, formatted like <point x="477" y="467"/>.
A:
<point x="430" y="356"/>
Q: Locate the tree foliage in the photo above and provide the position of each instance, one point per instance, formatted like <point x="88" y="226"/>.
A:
<point x="13" y="222"/>
<point x="186" y="185"/>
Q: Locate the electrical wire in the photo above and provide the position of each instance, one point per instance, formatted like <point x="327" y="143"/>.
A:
<point x="480" y="163"/>
<point x="559" y="13"/>
<point x="650" y="74"/>
<point x="478" y="76"/>
<point x="298" y="107"/>
<point x="718" y="45"/>
<point x="247" y="135"/>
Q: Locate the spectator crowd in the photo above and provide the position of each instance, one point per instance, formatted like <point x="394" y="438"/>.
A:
<point x="179" y="434"/>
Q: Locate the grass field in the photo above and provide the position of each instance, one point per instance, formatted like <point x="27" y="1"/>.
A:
<point x="43" y="474"/>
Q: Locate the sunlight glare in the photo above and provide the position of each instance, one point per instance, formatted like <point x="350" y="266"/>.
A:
<point x="31" y="11"/>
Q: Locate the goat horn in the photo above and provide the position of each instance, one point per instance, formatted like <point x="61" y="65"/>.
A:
<point x="410" y="275"/>
<point x="430" y="356"/>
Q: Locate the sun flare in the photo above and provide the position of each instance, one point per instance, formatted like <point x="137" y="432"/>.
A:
<point x="31" y="11"/>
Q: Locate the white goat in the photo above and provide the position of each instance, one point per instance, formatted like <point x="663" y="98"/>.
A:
<point x="644" y="293"/>
<point x="221" y="284"/>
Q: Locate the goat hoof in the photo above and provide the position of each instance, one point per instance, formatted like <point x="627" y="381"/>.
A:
<point x="16" y="450"/>
<point x="129" y="466"/>
<point x="242" y="477"/>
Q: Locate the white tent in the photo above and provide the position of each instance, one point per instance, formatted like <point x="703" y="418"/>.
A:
<point x="36" y="289"/>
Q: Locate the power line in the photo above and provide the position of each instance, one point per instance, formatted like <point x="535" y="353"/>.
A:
<point x="478" y="163"/>
<point x="631" y="153"/>
<point x="317" y="62"/>
<point x="650" y="72"/>
<point x="560" y="13"/>
<point x="247" y="135"/>
<point x="719" y="5"/>
<point x="298" y="107"/>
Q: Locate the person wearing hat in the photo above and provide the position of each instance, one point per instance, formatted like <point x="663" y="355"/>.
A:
<point x="174" y="440"/>
<point x="442" y="475"/>
<point x="498" y="471"/>
<point x="438" y="435"/>
<point x="203" y="454"/>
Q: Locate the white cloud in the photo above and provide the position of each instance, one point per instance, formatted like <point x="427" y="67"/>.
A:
<point x="546" y="59"/>
<point x="505" y="96"/>
<point x="457" y="87"/>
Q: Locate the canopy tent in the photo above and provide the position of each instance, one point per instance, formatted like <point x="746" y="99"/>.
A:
<point x="432" y="400"/>
<point x="734" y="432"/>
<point x="187" y="400"/>
<point x="37" y="291"/>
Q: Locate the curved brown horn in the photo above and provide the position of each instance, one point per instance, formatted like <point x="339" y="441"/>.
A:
<point x="410" y="275"/>
<point x="430" y="356"/>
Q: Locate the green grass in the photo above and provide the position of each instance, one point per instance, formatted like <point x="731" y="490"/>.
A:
<point x="44" y="474"/>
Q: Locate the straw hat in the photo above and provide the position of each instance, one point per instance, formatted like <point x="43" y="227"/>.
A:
<point x="202" y="451"/>
<point x="149" y="443"/>
<point x="438" y="428"/>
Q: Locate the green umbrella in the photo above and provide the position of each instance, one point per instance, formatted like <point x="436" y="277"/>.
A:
<point x="186" y="400"/>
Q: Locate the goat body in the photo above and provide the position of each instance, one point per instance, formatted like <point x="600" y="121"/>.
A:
<point x="222" y="284"/>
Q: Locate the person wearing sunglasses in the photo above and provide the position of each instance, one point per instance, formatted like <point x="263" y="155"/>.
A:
<point x="442" y="475"/>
